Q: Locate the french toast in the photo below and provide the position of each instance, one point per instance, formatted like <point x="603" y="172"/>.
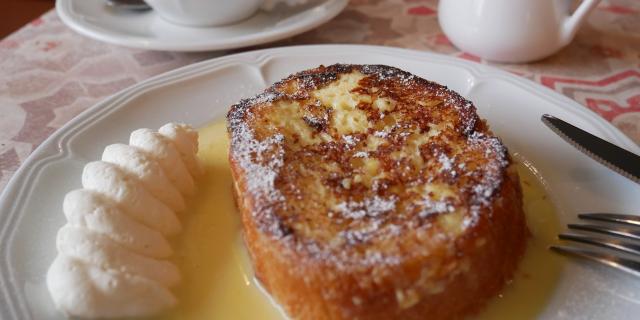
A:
<point x="367" y="192"/>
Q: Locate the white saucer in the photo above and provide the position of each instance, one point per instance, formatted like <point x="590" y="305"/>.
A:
<point x="147" y="30"/>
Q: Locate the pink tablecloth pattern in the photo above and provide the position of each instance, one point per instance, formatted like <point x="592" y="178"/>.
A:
<point x="49" y="74"/>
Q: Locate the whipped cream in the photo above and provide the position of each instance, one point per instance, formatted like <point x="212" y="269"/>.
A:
<point x="112" y="253"/>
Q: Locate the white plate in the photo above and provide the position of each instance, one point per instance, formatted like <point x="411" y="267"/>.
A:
<point x="147" y="30"/>
<point x="30" y="208"/>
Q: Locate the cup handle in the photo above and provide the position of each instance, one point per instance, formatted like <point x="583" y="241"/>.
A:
<point x="573" y="22"/>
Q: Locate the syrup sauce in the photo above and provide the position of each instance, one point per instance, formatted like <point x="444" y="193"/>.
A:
<point x="217" y="278"/>
<point x="538" y="272"/>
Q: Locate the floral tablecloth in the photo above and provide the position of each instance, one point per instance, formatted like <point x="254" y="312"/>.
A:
<point x="49" y="74"/>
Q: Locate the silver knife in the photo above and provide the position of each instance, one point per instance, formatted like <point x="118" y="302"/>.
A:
<point x="615" y="158"/>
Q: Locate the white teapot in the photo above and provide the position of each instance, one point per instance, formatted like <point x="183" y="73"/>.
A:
<point x="511" y="30"/>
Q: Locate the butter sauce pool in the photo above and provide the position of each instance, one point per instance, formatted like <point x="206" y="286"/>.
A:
<point x="218" y="281"/>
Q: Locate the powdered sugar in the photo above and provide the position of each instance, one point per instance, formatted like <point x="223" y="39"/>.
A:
<point x="386" y="73"/>
<point x="350" y="140"/>
<point x="446" y="162"/>
<point x="484" y="190"/>
<point x="430" y="206"/>
<point x="261" y="160"/>
<point x="369" y="207"/>
<point x="355" y="236"/>
<point x="316" y="122"/>
<point x="380" y="134"/>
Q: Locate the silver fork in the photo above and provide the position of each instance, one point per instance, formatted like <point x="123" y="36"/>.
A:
<point x="620" y="238"/>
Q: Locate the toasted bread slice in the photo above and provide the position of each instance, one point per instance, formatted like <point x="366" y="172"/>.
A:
<point x="369" y="193"/>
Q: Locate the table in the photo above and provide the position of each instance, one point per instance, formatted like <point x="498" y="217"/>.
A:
<point x="49" y="74"/>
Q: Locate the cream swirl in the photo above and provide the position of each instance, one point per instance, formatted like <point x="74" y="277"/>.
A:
<point x="112" y="253"/>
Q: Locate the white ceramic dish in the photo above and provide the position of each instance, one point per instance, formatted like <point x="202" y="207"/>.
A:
<point x="147" y="30"/>
<point x="30" y="207"/>
<point x="512" y="30"/>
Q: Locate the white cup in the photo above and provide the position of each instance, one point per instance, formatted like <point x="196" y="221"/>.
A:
<point x="205" y="13"/>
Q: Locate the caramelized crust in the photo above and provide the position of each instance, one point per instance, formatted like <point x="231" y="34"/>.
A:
<point x="369" y="193"/>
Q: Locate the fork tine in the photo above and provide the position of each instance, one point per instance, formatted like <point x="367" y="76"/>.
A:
<point x="613" y="244"/>
<point x="620" y="232"/>
<point x="627" y="265"/>
<point x="625" y="219"/>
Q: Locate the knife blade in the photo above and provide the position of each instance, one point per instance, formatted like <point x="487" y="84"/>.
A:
<point x="615" y="158"/>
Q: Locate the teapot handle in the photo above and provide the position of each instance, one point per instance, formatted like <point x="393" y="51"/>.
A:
<point x="573" y="22"/>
